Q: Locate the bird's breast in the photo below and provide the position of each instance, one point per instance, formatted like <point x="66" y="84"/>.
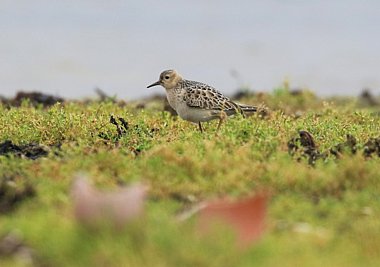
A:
<point x="174" y="98"/>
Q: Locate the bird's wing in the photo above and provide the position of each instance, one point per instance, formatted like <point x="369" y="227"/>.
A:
<point x="200" y="95"/>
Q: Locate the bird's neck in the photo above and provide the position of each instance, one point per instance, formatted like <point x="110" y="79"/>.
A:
<point x="176" y="85"/>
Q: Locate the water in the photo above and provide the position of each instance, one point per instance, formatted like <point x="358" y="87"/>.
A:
<point x="70" y="47"/>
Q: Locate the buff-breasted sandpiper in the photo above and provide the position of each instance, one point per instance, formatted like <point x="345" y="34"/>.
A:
<point x="198" y="102"/>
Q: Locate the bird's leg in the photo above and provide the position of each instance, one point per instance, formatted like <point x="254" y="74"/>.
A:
<point x="200" y="127"/>
<point x="222" y="118"/>
<point x="219" y="124"/>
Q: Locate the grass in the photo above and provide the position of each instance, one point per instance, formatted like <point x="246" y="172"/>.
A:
<point x="322" y="215"/>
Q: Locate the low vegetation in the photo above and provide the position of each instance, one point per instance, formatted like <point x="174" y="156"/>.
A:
<point x="324" y="206"/>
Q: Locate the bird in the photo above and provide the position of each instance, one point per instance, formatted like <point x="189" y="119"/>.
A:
<point x="198" y="102"/>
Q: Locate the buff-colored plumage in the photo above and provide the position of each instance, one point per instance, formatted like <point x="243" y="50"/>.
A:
<point x="198" y="102"/>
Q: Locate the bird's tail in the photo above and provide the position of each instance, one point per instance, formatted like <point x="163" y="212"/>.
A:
<point x="247" y="108"/>
<point x="240" y="108"/>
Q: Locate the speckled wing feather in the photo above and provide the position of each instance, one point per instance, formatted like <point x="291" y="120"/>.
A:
<point x="200" y="95"/>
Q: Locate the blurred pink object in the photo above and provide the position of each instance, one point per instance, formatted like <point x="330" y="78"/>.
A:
<point x="117" y="207"/>
<point x="246" y="217"/>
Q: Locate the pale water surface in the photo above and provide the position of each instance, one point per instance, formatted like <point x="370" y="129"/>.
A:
<point x="70" y="47"/>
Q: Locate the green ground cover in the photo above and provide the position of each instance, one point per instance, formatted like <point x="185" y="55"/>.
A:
<point x="320" y="213"/>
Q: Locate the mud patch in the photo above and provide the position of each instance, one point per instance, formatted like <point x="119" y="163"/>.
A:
<point x="372" y="146"/>
<point x="35" y="98"/>
<point x="243" y="94"/>
<point x="304" y="147"/>
<point x="366" y="98"/>
<point x="13" y="192"/>
<point x="349" y="146"/>
<point x="122" y="127"/>
<point x="31" y="151"/>
<point x="138" y="136"/>
<point x="12" y="245"/>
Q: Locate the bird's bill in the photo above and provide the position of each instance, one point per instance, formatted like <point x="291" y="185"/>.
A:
<point x="154" y="84"/>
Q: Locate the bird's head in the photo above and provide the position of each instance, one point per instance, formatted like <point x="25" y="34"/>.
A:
<point x="168" y="79"/>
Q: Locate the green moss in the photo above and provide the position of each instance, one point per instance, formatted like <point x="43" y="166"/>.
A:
<point x="327" y="214"/>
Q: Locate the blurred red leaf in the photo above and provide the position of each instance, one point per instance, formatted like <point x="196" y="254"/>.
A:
<point x="116" y="207"/>
<point x="246" y="217"/>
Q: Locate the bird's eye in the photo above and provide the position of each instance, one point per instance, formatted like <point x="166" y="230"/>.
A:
<point x="167" y="77"/>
